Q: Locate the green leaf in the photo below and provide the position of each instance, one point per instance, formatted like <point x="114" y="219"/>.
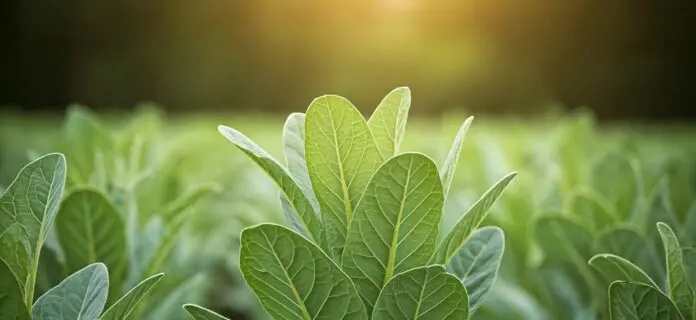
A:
<point x="388" y="121"/>
<point x="630" y="301"/>
<point x="294" y="145"/>
<point x="188" y="199"/>
<point x="616" y="178"/>
<point x="614" y="268"/>
<point x="680" y="290"/>
<point x="395" y="225"/>
<point x="27" y="211"/>
<point x="199" y="313"/>
<point x="293" y="278"/>
<point x="91" y="230"/>
<point x="291" y="216"/>
<point x="122" y="308"/>
<point x="81" y="296"/>
<point x="341" y="157"/>
<point x="689" y="255"/>
<point x="477" y="262"/>
<point x="450" y="166"/>
<point x="469" y="222"/>
<point x="422" y="293"/>
<point x="11" y="305"/>
<point x="589" y="209"/>
<point x="89" y="147"/>
<point x="631" y="245"/>
<point x="287" y="184"/>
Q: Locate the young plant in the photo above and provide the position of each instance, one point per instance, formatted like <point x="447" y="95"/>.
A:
<point x="29" y="208"/>
<point x="365" y="223"/>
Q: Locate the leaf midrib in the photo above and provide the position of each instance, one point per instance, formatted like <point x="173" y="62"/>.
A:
<point x="346" y="196"/>
<point x="389" y="271"/>
<point x="300" y="301"/>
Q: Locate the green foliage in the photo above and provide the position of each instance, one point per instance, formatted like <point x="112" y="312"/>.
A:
<point x="371" y="247"/>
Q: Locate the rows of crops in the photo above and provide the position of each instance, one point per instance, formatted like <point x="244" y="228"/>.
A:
<point x="597" y="222"/>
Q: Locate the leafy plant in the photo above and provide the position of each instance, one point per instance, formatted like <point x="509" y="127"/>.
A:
<point x="366" y="220"/>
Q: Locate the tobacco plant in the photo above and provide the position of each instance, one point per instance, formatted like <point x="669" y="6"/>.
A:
<point x="364" y="233"/>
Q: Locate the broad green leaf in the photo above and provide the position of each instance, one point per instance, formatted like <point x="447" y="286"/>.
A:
<point x="122" y="308"/>
<point x="422" y="293"/>
<point x="341" y="157"/>
<point x="27" y="211"/>
<point x="630" y="301"/>
<point x="477" y="262"/>
<point x="11" y="305"/>
<point x="199" y="313"/>
<point x="469" y="222"/>
<point x="632" y="246"/>
<point x="81" y="296"/>
<point x="450" y="166"/>
<point x="616" y="178"/>
<point x="589" y="209"/>
<point x="395" y="225"/>
<point x="287" y="184"/>
<point x="388" y="121"/>
<point x="294" y="145"/>
<point x="91" y="230"/>
<point x="293" y="278"/>
<point x="89" y="147"/>
<point x="614" y="268"/>
<point x="680" y="290"/>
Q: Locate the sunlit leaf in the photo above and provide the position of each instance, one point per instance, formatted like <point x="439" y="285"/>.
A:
<point x="388" y="121"/>
<point x="450" y="166"/>
<point x="396" y="223"/>
<point x="294" y="146"/>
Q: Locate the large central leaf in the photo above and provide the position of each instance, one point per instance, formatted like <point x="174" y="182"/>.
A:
<point x="341" y="157"/>
<point x="395" y="225"/>
<point x="27" y="211"/>
<point x="294" y="279"/>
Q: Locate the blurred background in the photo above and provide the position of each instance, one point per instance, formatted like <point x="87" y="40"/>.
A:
<point x="623" y="58"/>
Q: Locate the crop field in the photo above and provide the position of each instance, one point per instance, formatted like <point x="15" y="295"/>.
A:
<point x="333" y="214"/>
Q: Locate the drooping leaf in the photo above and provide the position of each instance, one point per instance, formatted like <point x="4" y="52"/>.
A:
<point x="122" y="308"/>
<point x="388" y="121"/>
<point x="293" y="278"/>
<point x="477" y="262"/>
<point x="287" y="184"/>
<point x="11" y="304"/>
<point x="27" y="211"/>
<point x="450" y="166"/>
<point x="294" y="146"/>
<point x="81" y="296"/>
<point x="461" y="231"/>
<point x="395" y="225"/>
<point x="422" y="293"/>
<point x="630" y="301"/>
<point x="680" y="290"/>
<point x="199" y="313"/>
<point x="91" y="230"/>
<point x="341" y="157"/>
<point x="615" y="268"/>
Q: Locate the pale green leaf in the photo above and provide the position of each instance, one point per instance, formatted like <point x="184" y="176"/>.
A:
<point x="122" y="308"/>
<point x="27" y="211"/>
<point x="395" y="225"/>
<point x="199" y="313"/>
<point x="341" y="157"/>
<point x="189" y="199"/>
<point x="281" y="176"/>
<point x="586" y="207"/>
<point x="293" y="278"/>
<point x="680" y="290"/>
<point x="11" y="305"/>
<point x="461" y="231"/>
<point x="631" y="245"/>
<point x="91" y="230"/>
<point x="477" y="262"/>
<point x="89" y="147"/>
<point x="294" y="146"/>
<point x="631" y="301"/>
<point x="291" y="216"/>
<point x="450" y="166"/>
<point x="615" y="268"/>
<point x="81" y="296"/>
<point x="422" y="293"/>
<point x="388" y="121"/>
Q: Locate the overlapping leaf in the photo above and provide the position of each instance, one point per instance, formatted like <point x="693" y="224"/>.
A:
<point x="294" y="279"/>
<point x="294" y="146"/>
<point x="680" y="290"/>
<point x="388" y="121"/>
<point x="396" y="223"/>
<point x="81" y="296"/>
<point x="477" y="262"/>
<point x="450" y="166"/>
<point x="341" y="157"/>
<point x="91" y="230"/>
<point x="122" y="308"/>
<point x="615" y="268"/>
<point x="422" y="293"/>
<point x="630" y="301"/>
<point x="469" y="222"/>
<point x="28" y="209"/>
<point x="287" y="184"/>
